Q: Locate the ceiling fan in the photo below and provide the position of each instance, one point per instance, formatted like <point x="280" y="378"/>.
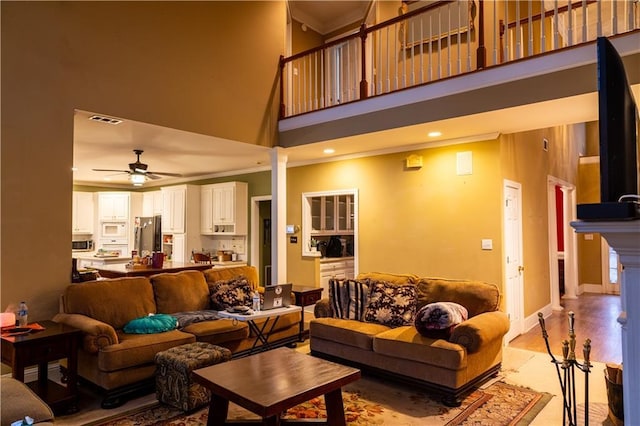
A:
<point x="138" y="172"/>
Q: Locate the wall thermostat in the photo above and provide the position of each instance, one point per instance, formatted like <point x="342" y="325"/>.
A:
<point x="292" y="229"/>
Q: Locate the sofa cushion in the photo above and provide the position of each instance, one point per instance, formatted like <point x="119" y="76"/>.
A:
<point x="347" y="332"/>
<point x="349" y="298"/>
<point x="18" y="401"/>
<point x="476" y="296"/>
<point x="392" y="305"/>
<point x="388" y="277"/>
<point x="180" y="291"/>
<point x="438" y="319"/>
<point x="218" y="331"/>
<point x="406" y="343"/>
<point x="132" y="296"/>
<point x="233" y="292"/>
<point x="151" y="324"/>
<point x="217" y="274"/>
<point x="138" y="349"/>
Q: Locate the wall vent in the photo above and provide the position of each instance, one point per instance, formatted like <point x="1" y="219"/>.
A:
<point x="102" y="119"/>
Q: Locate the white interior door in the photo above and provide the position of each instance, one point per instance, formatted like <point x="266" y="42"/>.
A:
<point x="513" y="258"/>
<point x="611" y="269"/>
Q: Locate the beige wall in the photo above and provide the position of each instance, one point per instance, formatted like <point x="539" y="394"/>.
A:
<point x="524" y="160"/>
<point x="428" y="222"/>
<point x="166" y="63"/>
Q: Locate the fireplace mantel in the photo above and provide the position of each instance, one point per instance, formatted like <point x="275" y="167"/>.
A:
<point x="624" y="238"/>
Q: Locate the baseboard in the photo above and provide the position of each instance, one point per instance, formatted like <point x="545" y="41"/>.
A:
<point x="532" y="320"/>
<point x="590" y="288"/>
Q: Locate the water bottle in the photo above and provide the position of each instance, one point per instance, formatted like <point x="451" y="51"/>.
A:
<point x="256" y="302"/>
<point x="23" y="311"/>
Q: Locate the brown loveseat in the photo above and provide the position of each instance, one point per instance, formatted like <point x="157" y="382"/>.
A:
<point x="452" y="367"/>
<point x="122" y="363"/>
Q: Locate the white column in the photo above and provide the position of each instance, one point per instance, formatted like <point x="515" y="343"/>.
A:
<point x="624" y="238"/>
<point x="278" y="215"/>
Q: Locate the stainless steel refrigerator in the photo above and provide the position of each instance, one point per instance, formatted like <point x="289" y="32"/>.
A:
<point x="148" y="234"/>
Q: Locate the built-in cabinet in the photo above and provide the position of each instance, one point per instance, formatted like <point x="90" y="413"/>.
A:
<point x="82" y="213"/>
<point x="180" y="221"/>
<point x="113" y="206"/>
<point x="152" y="203"/>
<point x="224" y="208"/>
<point x="173" y="209"/>
<point x="332" y="214"/>
<point x="339" y="268"/>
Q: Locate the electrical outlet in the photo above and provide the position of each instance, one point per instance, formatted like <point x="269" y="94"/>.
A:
<point x="238" y="244"/>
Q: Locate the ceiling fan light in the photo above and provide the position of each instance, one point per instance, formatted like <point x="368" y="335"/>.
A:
<point x="137" y="179"/>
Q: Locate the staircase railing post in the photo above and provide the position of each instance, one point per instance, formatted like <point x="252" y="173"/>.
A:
<point x="281" y="113"/>
<point x="364" y="86"/>
<point x="481" y="53"/>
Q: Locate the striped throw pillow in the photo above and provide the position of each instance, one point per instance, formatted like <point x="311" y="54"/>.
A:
<point x="348" y="298"/>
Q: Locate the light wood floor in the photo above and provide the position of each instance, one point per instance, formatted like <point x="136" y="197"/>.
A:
<point x="595" y="318"/>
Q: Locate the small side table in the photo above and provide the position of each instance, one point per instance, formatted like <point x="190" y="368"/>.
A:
<point x="305" y="296"/>
<point x="55" y="342"/>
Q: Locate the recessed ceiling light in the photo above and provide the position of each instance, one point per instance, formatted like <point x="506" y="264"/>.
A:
<point x="106" y="178"/>
<point x="103" y="119"/>
<point x="329" y="151"/>
<point x="434" y="134"/>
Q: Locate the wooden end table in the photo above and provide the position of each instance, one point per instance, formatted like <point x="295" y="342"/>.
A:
<point x="271" y="382"/>
<point x="39" y="347"/>
<point x="305" y="296"/>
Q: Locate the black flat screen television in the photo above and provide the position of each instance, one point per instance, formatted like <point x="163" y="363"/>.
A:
<point x="618" y="127"/>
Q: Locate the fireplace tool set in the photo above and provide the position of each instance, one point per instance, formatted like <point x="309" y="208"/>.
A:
<point x="568" y="365"/>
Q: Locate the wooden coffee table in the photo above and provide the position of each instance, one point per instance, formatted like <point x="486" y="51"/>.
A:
<point x="271" y="382"/>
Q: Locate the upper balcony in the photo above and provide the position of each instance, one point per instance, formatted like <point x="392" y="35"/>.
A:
<point x="451" y="59"/>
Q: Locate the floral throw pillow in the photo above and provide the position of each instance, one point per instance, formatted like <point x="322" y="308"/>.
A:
<point x="227" y="293"/>
<point x="391" y="305"/>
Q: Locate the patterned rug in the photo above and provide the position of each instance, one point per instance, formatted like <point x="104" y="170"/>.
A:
<point x="370" y="401"/>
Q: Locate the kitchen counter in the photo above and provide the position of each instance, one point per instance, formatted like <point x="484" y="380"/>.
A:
<point x="88" y="259"/>
<point x="120" y="269"/>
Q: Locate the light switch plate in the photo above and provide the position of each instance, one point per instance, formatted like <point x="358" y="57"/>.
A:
<point x="487" y="244"/>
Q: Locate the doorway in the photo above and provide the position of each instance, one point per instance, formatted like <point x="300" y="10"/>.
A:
<point x="261" y="237"/>
<point x="611" y="269"/>
<point x="512" y="193"/>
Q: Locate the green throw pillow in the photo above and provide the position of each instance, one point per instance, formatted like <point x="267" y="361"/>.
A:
<point x="151" y="324"/>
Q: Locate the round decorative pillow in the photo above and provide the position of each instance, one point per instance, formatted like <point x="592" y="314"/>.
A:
<point x="437" y="320"/>
<point x="150" y="324"/>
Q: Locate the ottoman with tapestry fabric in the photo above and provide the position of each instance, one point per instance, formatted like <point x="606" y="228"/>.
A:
<point x="174" y="366"/>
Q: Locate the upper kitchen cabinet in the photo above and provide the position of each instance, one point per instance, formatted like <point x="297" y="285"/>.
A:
<point x="113" y="206"/>
<point x="82" y="213"/>
<point x="152" y="203"/>
<point x="224" y="208"/>
<point x="173" y="209"/>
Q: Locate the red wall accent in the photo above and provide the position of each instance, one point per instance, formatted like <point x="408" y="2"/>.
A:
<point x="559" y="219"/>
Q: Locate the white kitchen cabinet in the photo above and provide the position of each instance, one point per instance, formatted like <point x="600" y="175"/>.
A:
<point x="181" y="221"/>
<point x="152" y="203"/>
<point x="82" y="213"/>
<point x="339" y="268"/>
<point x="206" y="210"/>
<point x="113" y="206"/>
<point x="224" y="208"/>
<point x="173" y="209"/>
<point x="332" y="214"/>
<point x="179" y="251"/>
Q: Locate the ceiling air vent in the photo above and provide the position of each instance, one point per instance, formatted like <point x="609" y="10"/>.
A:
<point x="107" y="120"/>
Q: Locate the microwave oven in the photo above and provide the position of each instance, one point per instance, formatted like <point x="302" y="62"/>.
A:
<point x="82" y="245"/>
<point x="114" y="230"/>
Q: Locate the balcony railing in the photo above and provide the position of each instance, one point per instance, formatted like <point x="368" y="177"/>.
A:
<point x="441" y="40"/>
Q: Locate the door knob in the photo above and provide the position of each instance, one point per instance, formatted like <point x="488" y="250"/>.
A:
<point x="520" y="268"/>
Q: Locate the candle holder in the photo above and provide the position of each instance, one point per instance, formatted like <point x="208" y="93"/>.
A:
<point x="566" y="370"/>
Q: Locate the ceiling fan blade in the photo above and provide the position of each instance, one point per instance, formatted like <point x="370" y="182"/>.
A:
<point x="110" y="170"/>
<point x="165" y="174"/>
<point x="152" y="176"/>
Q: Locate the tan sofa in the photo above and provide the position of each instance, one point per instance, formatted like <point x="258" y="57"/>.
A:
<point x="451" y="367"/>
<point x="121" y="363"/>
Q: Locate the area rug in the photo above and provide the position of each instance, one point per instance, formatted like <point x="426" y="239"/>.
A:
<point x="370" y="401"/>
